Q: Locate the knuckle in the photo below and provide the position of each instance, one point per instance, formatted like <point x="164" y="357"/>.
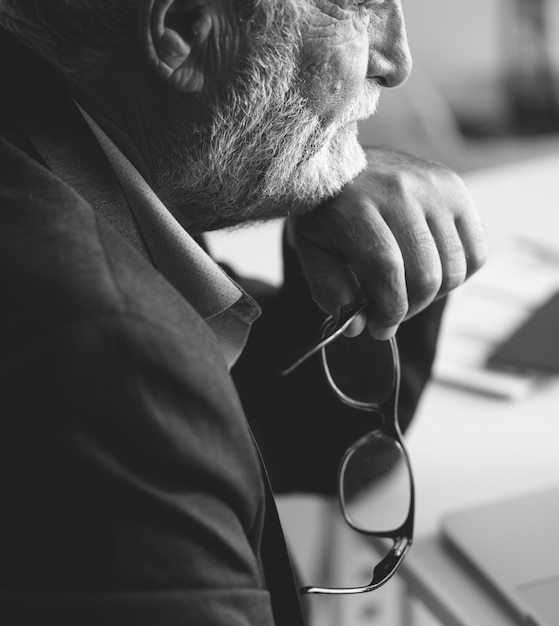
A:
<point x="454" y="270"/>
<point x="427" y="285"/>
<point x="454" y="178"/>
<point x="425" y="276"/>
<point x="441" y="174"/>
<point x="452" y="279"/>
<point x="476" y="259"/>
<point x="401" y="186"/>
<point x="388" y="262"/>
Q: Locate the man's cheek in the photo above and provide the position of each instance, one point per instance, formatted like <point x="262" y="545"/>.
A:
<point x="329" y="88"/>
<point x="332" y="77"/>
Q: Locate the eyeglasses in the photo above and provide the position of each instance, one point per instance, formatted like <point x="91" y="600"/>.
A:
<point x="375" y="482"/>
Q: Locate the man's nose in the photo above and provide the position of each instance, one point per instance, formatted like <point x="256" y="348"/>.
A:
<point x="390" y="60"/>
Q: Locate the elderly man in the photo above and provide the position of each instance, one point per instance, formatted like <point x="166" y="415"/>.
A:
<point x="132" y="490"/>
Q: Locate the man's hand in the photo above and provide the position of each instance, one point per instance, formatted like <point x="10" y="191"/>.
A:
<point x="404" y="233"/>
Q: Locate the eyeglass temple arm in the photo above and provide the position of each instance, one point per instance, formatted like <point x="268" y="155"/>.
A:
<point x="382" y="573"/>
<point x="391" y="562"/>
<point x="347" y="314"/>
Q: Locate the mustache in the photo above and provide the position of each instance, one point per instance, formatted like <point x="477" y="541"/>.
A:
<point x="364" y="106"/>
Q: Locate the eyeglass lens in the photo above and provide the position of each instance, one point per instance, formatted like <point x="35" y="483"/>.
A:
<point x="375" y="483"/>
<point x="362" y="368"/>
<point x="375" y="486"/>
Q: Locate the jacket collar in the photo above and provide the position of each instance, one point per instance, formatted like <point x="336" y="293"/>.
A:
<point x="57" y="134"/>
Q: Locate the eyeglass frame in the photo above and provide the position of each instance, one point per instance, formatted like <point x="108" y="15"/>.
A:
<point x="402" y="536"/>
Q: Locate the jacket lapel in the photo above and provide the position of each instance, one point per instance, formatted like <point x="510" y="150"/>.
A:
<point x="57" y="132"/>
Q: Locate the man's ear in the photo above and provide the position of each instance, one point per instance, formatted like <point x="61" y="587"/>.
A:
<point x="173" y="34"/>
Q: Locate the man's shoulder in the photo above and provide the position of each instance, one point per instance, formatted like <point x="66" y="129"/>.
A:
<point x="49" y="234"/>
<point x="60" y="261"/>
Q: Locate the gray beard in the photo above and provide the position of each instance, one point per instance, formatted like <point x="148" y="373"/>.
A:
<point x="263" y="155"/>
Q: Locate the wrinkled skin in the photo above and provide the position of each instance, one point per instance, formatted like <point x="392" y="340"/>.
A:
<point x="346" y="49"/>
<point x="405" y="231"/>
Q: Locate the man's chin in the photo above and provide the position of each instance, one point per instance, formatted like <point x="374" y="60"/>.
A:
<point x="341" y="162"/>
<point x="338" y="161"/>
<point x="328" y="174"/>
<point x="319" y="178"/>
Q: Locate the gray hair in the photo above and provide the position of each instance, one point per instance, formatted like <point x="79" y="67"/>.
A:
<point x="77" y="35"/>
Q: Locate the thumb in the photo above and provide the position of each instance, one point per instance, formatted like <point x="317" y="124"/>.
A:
<point x="332" y="283"/>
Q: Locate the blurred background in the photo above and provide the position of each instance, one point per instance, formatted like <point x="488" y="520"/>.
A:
<point x="484" y="89"/>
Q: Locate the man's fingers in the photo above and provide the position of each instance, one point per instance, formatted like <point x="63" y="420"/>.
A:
<point x="451" y="254"/>
<point x="406" y="233"/>
<point x="331" y="280"/>
<point x="474" y="242"/>
<point x="362" y="258"/>
<point x="377" y="261"/>
<point x="422" y="261"/>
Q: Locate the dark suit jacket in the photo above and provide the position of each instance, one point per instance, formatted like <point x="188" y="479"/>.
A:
<point x="132" y="490"/>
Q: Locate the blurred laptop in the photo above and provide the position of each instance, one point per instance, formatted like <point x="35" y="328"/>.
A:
<point x="514" y="544"/>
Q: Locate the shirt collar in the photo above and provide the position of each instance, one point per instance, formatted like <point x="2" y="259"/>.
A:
<point x="179" y="258"/>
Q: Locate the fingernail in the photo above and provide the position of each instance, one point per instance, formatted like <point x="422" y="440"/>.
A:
<point x="357" y="326"/>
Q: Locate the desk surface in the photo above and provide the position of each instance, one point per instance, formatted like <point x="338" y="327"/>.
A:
<point x="469" y="448"/>
<point x="454" y="594"/>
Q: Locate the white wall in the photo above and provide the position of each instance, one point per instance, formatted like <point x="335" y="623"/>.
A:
<point x="455" y="39"/>
<point x="458" y="60"/>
